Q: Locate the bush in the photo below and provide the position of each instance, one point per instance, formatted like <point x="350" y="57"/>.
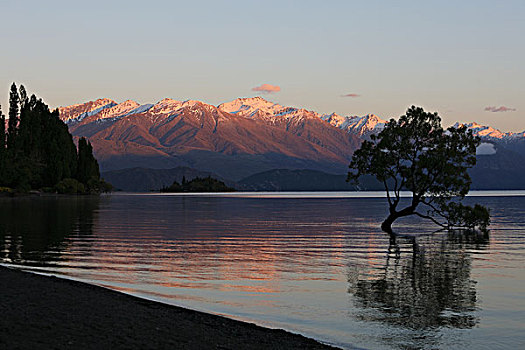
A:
<point x="468" y="217"/>
<point x="70" y="186"/>
<point x="48" y="189"/>
<point x="6" y="191"/>
<point x="198" y="184"/>
<point x="95" y="185"/>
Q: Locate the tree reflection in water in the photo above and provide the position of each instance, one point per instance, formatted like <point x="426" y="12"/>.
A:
<point x="425" y="283"/>
<point x="35" y="230"/>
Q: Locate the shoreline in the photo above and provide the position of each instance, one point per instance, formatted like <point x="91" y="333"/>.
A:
<point x="50" y="312"/>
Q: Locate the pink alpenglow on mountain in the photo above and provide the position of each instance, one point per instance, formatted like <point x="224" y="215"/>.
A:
<point x="234" y="140"/>
<point x="360" y="126"/>
<point x="489" y="132"/>
<point x="80" y="111"/>
<point x="253" y="107"/>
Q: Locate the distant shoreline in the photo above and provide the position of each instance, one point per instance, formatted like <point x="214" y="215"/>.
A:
<point x="312" y="194"/>
<point x="258" y="194"/>
<point x="49" y="312"/>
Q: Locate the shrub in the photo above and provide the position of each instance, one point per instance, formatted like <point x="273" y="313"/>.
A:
<point x="70" y="186"/>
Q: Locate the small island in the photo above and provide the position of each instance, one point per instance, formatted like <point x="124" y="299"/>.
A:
<point x="198" y="184"/>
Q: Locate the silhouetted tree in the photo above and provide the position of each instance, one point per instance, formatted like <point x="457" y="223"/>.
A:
<point x="2" y="131"/>
<point x="3" y="149"/>
<point x="44" y="141"/>
<point x="87" y="164"/>
<point x="23" y="96"/>
<point x="414" y="153"/>
<point x="40" y="152"/>
<point x="13" y="115"/>
<point x="198" y="184"/>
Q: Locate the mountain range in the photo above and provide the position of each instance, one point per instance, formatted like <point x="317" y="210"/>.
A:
<point x="247" y="137"/>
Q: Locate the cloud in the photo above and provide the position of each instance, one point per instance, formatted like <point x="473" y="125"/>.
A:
<point x="499" y="109"/>
<point x="267" y="88"/>
<point x="351" y="95"/>
<point x="485" y="149"/>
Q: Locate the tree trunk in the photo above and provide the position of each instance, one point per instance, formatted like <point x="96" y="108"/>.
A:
<point x="387" y="224"/>
<point x="394" y="215"/>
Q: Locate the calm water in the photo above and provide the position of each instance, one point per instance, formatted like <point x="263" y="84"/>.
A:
<point x="313" y="265"/>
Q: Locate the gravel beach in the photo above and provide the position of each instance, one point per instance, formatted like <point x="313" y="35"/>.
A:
<point x="41" y="312"/>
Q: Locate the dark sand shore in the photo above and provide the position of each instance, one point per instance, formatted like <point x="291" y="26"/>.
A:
<point x="40" y="312"/>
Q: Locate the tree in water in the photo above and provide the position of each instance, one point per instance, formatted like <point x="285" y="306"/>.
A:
<point x="416" y="154"/>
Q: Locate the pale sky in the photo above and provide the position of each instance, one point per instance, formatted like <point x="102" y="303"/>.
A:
<point x="454" y="57"/>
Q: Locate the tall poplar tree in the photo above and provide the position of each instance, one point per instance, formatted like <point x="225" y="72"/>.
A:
<point x="3" y="150"/>
<point x="14" y="100"/>
<point x="87" y="168"/>
<point x="23" y="96"/>
<point x="2" y="131"/>
<point x="39" y="151"/>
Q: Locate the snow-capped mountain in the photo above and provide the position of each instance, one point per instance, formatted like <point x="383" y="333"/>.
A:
<point x="233" y="140"/>
<point x="360" y="126"/>
<point x="259" y="108"/>
<point x="238" y="138"/>
<point x="252" y="107"/>
<point x="256" y="108"/>
<point x="78" y="112"/>
<point x="488" y="132"/>
<point x="496" y="142"/>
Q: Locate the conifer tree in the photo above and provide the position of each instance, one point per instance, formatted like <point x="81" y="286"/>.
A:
<point x="44" y="152"/>
<point x="87" y="168"/>
<point x="14" y="100"/>
<point x="38" y="151"/>
<point x="2" y="131"/>
<point x="23" y="130"/>
<point x="23" y="96"/>
<point x="3" y="150"/>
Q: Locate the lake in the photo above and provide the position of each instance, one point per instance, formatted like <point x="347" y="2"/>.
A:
<point x="312" y="263"/>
